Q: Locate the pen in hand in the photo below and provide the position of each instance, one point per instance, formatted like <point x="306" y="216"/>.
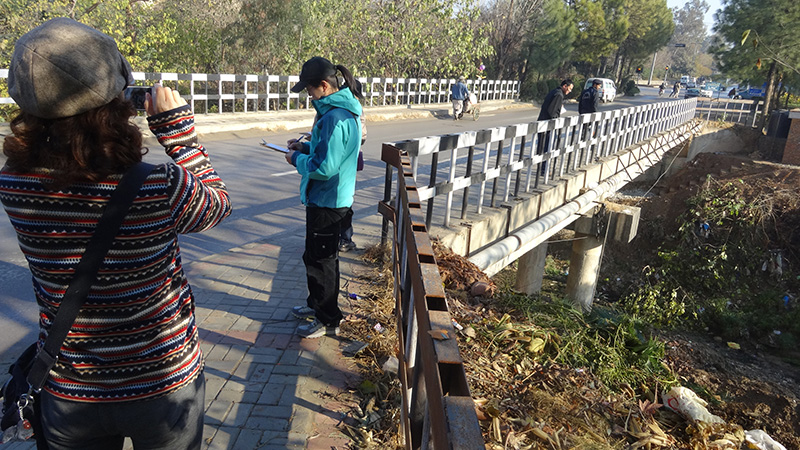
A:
<point x="294" y="144"/>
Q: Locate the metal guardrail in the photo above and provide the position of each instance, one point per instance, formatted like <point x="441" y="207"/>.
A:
<point x="743" y="112"/>
<point x="505" y="161"/>
<point x="225" y="93"/>
<point x="438" y="410"/>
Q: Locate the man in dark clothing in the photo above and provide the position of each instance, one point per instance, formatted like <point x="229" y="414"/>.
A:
<point x="588" y="103"/>
<point x="553" y="102"/>
<point x="590" y="98"/>
<point x="551" y="109"/>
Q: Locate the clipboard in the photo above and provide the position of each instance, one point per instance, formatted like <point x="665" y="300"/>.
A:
<point x="276" y="147"/>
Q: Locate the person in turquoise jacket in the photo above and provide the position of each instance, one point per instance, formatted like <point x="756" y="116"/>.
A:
<point x="328" y="167"/>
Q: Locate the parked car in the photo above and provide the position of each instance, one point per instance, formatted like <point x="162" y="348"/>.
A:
<point x="705" y="92"/>
<point x="608" y="90"/>
<point x="745" y="95"/>
<point x="692" y="92"/>
<point x="691" y="84"/>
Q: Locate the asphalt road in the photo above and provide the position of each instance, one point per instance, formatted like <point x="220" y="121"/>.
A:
<point x="264" y="193"/>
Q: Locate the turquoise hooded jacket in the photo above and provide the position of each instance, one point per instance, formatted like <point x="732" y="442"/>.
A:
<point x="328" y="163"/>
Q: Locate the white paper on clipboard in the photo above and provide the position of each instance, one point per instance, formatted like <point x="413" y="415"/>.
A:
<point x="276" y="147"/>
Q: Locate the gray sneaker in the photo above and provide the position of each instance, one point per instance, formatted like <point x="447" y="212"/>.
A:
<point x="315" y="329"/>
<point x="303" y="312"/>
<point x="346" y="246"/>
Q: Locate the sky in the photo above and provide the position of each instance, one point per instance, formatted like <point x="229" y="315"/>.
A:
<point x="709" y="19"/>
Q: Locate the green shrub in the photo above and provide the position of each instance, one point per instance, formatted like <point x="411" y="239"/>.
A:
<point x="712" y="274"/>
<point x="608" y="343"/>
<point x="630" y="88"/>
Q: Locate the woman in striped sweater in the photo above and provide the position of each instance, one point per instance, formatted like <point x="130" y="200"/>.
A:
<point x="131" y="365"/>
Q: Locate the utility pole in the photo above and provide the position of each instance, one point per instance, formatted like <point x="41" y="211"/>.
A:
<point x="652" y="69"/>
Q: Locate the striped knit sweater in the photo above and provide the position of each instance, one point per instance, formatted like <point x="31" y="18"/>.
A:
<point x="136" y="335"/>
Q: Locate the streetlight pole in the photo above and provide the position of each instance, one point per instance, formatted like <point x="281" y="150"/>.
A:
<point x="652" y="69"/>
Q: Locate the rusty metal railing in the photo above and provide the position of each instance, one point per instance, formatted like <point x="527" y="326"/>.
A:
<point x="438" y="410"/>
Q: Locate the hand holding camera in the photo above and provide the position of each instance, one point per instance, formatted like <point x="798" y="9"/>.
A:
<point x="155" y="99"/>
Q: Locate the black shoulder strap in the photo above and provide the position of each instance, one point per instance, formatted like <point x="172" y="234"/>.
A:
<point x="86" y="271"/>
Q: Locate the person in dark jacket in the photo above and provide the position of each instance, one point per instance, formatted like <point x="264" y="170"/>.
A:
<point x="460" y="94"/>
<point x="590" y="98"/>
<point x="554" y="101"/>
<point x="551" y="109"/>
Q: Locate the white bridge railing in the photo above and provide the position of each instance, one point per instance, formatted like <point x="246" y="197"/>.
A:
<point x="226" y="93"/>
<point x="487" y="167"/>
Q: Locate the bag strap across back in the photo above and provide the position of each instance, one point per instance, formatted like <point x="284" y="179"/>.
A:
<point x="86" y="271"/>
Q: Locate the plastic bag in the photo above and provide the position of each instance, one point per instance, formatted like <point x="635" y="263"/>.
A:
<point x="761" y="440"/>
<point x="686" y="403"/>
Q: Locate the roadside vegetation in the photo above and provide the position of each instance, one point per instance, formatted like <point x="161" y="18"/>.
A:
<point x="538" y="42"/>
<point x="704" y="298"/>
<point x="727" y="267"/>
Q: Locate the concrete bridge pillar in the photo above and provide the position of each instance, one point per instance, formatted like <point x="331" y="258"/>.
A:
<point x="584" y="267"/>
<point x="611" y="220"/>
<point x="530" y="270"/>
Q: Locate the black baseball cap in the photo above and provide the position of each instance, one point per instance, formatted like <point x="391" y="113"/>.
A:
<point x="596" y="81"/>
<point x="315" y="69"/>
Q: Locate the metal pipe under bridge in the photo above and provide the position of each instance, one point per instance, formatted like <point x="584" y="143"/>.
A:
<point x="509" y="189"/>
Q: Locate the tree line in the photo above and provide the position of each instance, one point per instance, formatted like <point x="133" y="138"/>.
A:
<point x="508" y="39"/>
<point x="533" y="41"/>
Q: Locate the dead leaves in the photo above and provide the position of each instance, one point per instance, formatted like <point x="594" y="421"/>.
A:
<point x="648" y="433"/>
<point x="459" y="274"/>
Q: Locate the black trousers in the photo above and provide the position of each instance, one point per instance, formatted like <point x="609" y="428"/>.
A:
<point x="321" y="258"/>
<point x="346" y="233"/>
<point x="542" y="148"/>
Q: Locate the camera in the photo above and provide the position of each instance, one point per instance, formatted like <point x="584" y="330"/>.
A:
<point x="136" y="95"/>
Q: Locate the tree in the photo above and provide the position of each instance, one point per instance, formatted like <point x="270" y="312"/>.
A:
<point x="267" y="36"/>
<point x="143" y="31"/>
<point x="551" y="44"/>
<point x="651" y="28"/>
<point x="690" y="30"/>
<point x="426" y="38"/>
<point x="602" y="26"/>
<point x="510" y="23"/>
<point x="759" y="39"/>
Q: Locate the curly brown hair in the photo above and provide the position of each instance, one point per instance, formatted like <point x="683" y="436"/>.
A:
<point x="86" y="147"/>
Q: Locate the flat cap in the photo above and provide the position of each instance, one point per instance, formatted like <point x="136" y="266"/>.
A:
<point x="63" y="68"/>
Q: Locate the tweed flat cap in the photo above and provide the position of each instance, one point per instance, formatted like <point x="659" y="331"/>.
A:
<point x="63" y="68"/>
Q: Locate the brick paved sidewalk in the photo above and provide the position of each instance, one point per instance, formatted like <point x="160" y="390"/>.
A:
<point x="266" y="387"/>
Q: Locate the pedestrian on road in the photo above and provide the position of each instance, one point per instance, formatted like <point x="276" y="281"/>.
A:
<point x="552" y="108"/>
<point x="732" y="93"/>
<point x="131" y="365"/>
<point x="459" y="95"/>
<point x="590" y="98"/>
<point x="676" y="89"/>
<point x="327" y="166"/>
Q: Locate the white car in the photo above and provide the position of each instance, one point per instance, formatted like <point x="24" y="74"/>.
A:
<point x="608" y="90"/>
<point x="704" y="92"/>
